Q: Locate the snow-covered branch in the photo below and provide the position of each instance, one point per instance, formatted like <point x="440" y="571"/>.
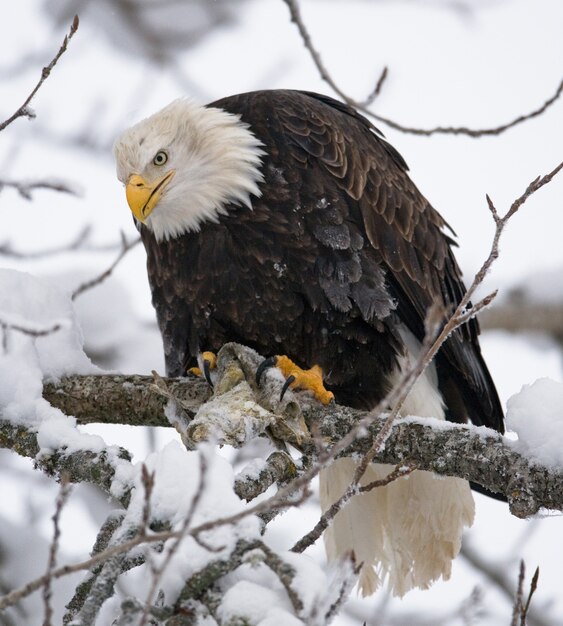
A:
<point x="78" y="466"/>
<point x="477" y="454"/>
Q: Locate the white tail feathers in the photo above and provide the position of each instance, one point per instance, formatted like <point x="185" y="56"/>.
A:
<point x="408" y="531"/>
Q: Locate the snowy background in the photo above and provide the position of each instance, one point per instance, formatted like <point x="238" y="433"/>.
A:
<point x="478" y="64"/>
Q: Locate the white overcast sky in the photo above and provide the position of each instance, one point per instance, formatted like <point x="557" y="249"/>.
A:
<point x="445" y="68"/>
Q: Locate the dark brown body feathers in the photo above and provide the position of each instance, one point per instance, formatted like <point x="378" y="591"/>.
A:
<point x="340" y="249"/>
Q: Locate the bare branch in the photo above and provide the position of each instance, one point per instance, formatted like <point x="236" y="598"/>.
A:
<point x="24" y="110"/>
<point x="525" y="316"/>
<point x="496" y="574"/>
<point x="518" y="606"/>
<point x="158" y="572"/>
<point x="148" y="485"/>
<point x="61" y="501"/>
<point x="125" y="247"/>
<point x="83" y="235"/>
<point x="78" y="242"/>
<point x="309" y="539"/>
<point x="363" y="106"/>
<point x="25" y="189"/>
<point x="533" y="587"/>
<point x="128" y="400"/>
<point x="9" y="322"/>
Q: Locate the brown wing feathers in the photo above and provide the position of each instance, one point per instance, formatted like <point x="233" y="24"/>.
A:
<point x="407" y="232"/>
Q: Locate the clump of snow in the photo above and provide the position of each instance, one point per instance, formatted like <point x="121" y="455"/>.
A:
<point x="177" y="480"/>
<point x="254" y="592"/>
<point x="257" y="605"/>
<point x="252" y="470"/>
<point x="26" y="361"/>
<point x="38" y="305"/>
<point x="536" y="415"/>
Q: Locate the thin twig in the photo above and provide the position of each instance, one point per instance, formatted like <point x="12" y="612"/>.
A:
<point x="47" y="591"/>
<point x="26" y="189"/>
<point x="518" y="604"/>
<point x="6" y="325"/>
<point x="147" y="478"/>
<point x="158" y="572"/>
<point x="78" y="242"/>
<point x="533" y="587"/>
<point x="404" y="469"/>
<point x="278" y="500"/>
<point x="377" y="89"/>
<point x="24" y="111"/>
<point x="125" y="247"/>
<point x="363" y="106"/>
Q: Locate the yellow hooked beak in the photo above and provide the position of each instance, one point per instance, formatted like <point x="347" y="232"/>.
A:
<point x="142" y="197"/>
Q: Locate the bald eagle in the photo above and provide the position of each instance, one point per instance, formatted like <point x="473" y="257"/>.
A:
<point x="284" y="221"/>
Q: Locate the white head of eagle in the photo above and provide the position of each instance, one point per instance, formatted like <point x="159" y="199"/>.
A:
<point x="183" y="165"/>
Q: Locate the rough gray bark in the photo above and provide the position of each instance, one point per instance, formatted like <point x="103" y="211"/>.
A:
<point x="479" y="455"/>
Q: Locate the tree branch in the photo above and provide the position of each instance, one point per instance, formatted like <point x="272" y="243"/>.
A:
<point x="24" y="110"/>
<point x="477" y="454"/>
<point x="81" y="466"/>
<point x="521" y="315"/>
<point x="363" y="106"/>
<point x="26" y="188"/>
<point x="125" y="247"/>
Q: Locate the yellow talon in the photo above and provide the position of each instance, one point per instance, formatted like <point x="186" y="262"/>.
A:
<point x="311" y="379"/>
<point x="209" y="360"/>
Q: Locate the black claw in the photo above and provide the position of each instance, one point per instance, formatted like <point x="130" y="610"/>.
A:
<point x="206" y="371"/>
<point x="266" y="364"/>
<point x="285" y="387"/>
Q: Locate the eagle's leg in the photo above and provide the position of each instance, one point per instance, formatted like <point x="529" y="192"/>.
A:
<point x="208" y="362"/>
<point x="298" y="378"/>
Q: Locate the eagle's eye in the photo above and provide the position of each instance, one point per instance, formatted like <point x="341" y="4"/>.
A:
<point x="160" y="158"/>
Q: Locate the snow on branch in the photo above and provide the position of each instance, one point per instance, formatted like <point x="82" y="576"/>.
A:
<point x="477" y="454"/>
<point x="96" y="467"/>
